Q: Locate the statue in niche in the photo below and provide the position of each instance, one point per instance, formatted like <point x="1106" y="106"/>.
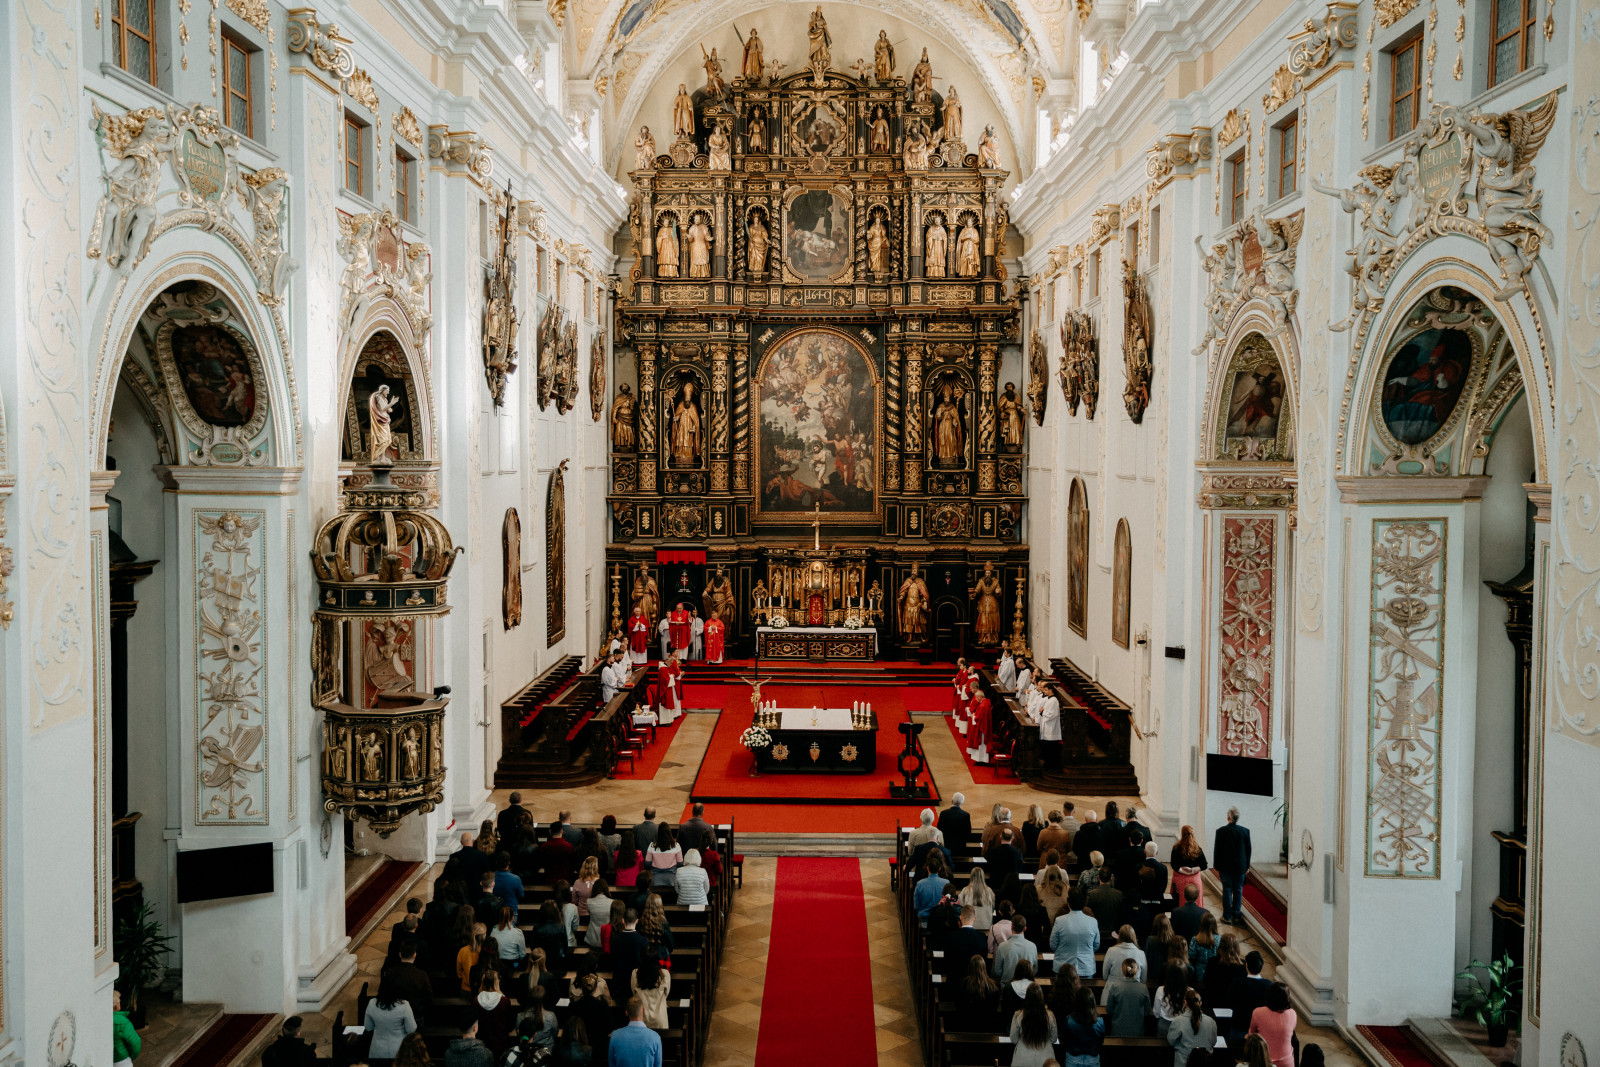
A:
<point x="371" y="756"/>
<point x="380" y="434"/>
<point x="878" y="245"/>
<point x="622" y="411"/>
<point x="644" y="149"/>
<point x="969" y="263"/>
<point x="988" y="150"/>
<point x="645" y="595"/>
<point x="757" y="244"/>
<point x="883" y="58"/>
<point x="878" y="140"/>
<point x="338" y="757"/>
<point x="685" y="434"/>
<point x="699" y="237"/>
<point x="713" y="65"/>
<point x="918" y="147"/>
<point x="1010" y="405"/>
<point x="756" y="132"/>
<point x="936" y="249"/>
<point x="949" y="429"/>
<point x="719" y="147"/>
<point x="683" y="113"/>
<point x="411" y="748"/>
<point x="952" y="116"/>
<point x="986" y="615"/>
<point x="821" y="44"/>
<point x="717" y="598"/>
<point x="753" y="65"/>
<point x="922" y="80"/>
<point x="667" y="248"/>
<point x="913" y="601"/>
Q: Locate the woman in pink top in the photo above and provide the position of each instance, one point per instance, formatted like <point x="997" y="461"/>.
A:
<point x="628" y="862"/>
<point x="588" y="875"/>
<point x="1275" y="1022"/>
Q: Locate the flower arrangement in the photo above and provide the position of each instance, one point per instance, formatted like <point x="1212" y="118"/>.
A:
<point x="778" y="621"/>
<point x="755" y="737"/>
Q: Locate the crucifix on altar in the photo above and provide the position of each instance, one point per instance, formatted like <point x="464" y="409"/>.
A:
<point x="816" y="528"/>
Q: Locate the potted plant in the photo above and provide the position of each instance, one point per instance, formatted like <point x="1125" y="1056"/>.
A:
<point x="1492" y="999"/>
<point x="1280" y="815"/>
<point x="141" y="948"/>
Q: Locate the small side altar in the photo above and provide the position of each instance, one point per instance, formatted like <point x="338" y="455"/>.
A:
<point x="819" y="740"/>
<point x="817" y="643"/>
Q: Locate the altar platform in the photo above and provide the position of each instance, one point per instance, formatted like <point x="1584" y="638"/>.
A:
<point x="817" y="644"/>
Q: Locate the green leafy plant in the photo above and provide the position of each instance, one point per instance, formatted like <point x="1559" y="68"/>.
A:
<point x="141" y="947"/>
<point x="1491" y="1000"/>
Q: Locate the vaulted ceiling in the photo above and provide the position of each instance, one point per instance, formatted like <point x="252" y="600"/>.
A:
<point x="1009" y="48"/>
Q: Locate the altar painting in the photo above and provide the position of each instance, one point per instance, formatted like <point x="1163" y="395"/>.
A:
<point x="816" y="239"/>
<point x="817" y="435"/>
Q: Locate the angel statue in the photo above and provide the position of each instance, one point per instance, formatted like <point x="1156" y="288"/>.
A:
<point x="644" y="156"/>
<point x="1508" y="203"/>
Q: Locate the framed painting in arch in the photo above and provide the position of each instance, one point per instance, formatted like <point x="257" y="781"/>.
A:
<point x="817" y="435"/>
<point x="1432" y="366"/>
<point x="817" y="242"/>
<point x="1122" y="585"/>
<point x="1078" y="559"/>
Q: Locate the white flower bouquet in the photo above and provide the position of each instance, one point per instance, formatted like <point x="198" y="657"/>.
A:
<point x="755" y="737"/>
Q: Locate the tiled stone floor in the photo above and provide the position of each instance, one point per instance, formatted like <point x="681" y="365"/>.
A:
<point x="736" y="1021"/>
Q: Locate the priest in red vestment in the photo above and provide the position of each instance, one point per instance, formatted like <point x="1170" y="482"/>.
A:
<point x="638" y="638"/>
<point x="978" y="735"/>
<point x="714" y="632"/>
<point x="962" y="685"/>
<point x="669" y="690"/>
<point x="679" y="620"/>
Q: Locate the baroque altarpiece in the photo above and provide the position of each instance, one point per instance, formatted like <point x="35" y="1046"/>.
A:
<point x="813" y="421"/>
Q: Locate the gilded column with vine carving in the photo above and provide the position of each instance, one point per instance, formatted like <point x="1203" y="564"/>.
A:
<point x="913" y="419"/>
<point x="988" y="371"/>
<point x="719" y="416"/>
<point x="647" y="416"/>
<point x="741" y="420"/>
<point x="893" y="410"/>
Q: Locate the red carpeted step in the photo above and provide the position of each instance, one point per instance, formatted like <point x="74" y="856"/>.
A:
<point x="1398" y="1047"/>
<point x="816" y="1005"/>
<point x="371" y="895"/>
<point x="1265" y="907"/>
<point x="225" y="1041"/>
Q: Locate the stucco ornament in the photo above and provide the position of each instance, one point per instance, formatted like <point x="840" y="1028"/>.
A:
<point x="1254" y="261"/>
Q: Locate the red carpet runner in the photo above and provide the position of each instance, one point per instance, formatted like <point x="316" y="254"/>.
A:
<point x="816" y="1005"/>
<point x="372" y="895"/>
<point x="1397" y="1046"/>
<point x="228" y="1039"/>
<point x="1260" y="903"/>
<point x="647" y="764"/>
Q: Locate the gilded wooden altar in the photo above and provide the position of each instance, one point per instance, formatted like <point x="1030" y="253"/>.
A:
<point x="814" y="328"/>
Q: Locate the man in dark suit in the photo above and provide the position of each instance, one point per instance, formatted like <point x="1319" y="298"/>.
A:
<point x="628" y="948"/>
<point x="1133" y="825"/>
<point x="1107" y="902"/>
<point x="1230" y="854"/>
<point x="1003" y="863"/>
<point x="554" y="857"/>
<point x="506" y="821"/>
<point x="1244" y="996"/>
<point x="573" y="835"/>
<point x="1111" y="827"/>
<point x="644" y="833"/>
<point x="1186" y="920"/>
<point x="290" y="1050"/>
<point x="410" y="981"/>
<point x="407" y="928"/>
<point x="1085" y="841"/>
<point x="956" y="825"/>
<point x="1152" y="871"/>
<point x="697" y="833"/>
<point x="470" y="862"/>
<point x="1127" y="860"/>
<point x="965" y="943"/>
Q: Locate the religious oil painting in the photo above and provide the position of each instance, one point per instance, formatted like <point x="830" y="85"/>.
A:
<point x="1078" y="559"/>
<point x="816" y="394"/>
<point x="1255" y="402"/>
<point x="1424" y="379"/>
<point x="816" y="242"/>
<point x="1122" y="585"/>
<point x="216" y="374"/>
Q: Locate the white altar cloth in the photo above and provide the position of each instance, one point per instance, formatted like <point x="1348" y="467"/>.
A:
<point x="825" y="719"/>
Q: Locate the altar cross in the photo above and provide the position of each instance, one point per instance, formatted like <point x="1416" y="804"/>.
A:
<point x="816" y="528"/>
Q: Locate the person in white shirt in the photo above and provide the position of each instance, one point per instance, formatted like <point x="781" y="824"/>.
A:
<point x="665" y="630"/>
<point x="1024" y="678"/>
<point x="1006" y="673"/>
<point x="697" y="633"/>
<point x="608" y="680"/>
<point x="1050" y="728"/>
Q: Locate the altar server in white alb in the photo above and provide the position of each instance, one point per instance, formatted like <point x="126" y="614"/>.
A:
<point x="613" y="676"/>
<point x="697" y="636"/>
<point x="1048" y="717"/>
<point x="1006" y="672"/>
<point x="1024" y="678"/>
<point x="666" y="638"/>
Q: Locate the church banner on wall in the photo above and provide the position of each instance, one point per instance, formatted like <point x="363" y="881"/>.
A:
<point x="818" y="437"/>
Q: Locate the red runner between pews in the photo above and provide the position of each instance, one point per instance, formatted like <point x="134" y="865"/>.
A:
<point x="816" y="1005"/>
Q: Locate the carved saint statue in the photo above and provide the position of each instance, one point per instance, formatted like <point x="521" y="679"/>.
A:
<point x="667" y="248"/>
<point x="719" y="147"/>
<point x="936" y="249"/>
<point x="986" y="614"/>
<point x="338" y="756"/>
<point x="988" y="150"/>
<point x="713" y="65"/>
<point x="878" y="246"/>
<point x="752" y="66"/>
<point x="645" y="596"/>
<point x="686" y="427"/>
<point x="922" y="80"/>
<point x="755" y="131"/>
<point x="949" y="430"/>
<point x="622" y="410"/>
<point x="717" y="599"/>
<point x="757" y="243"/>
<point x="371" y="757"/>
<point x="411" y="748"/>
<point x="952" y="116"/>
<point x="969" y="263"/>
<point x="699" y="237"/>
<point x="917" y="147"/>
<point x="883" y="58"/>
<point x="1010" y="407"/>
<point x="913" y="601"/>
<point x="821" y="42"/>
<point x="878" y="139"/>
<point x="379" y="436"/>
<point x="644" y="149"/>
<point x="683" y="113"/>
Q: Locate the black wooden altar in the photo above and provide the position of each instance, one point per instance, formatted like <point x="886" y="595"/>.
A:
<point x="818" y="750"/>
<point x="816" y="321"/>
